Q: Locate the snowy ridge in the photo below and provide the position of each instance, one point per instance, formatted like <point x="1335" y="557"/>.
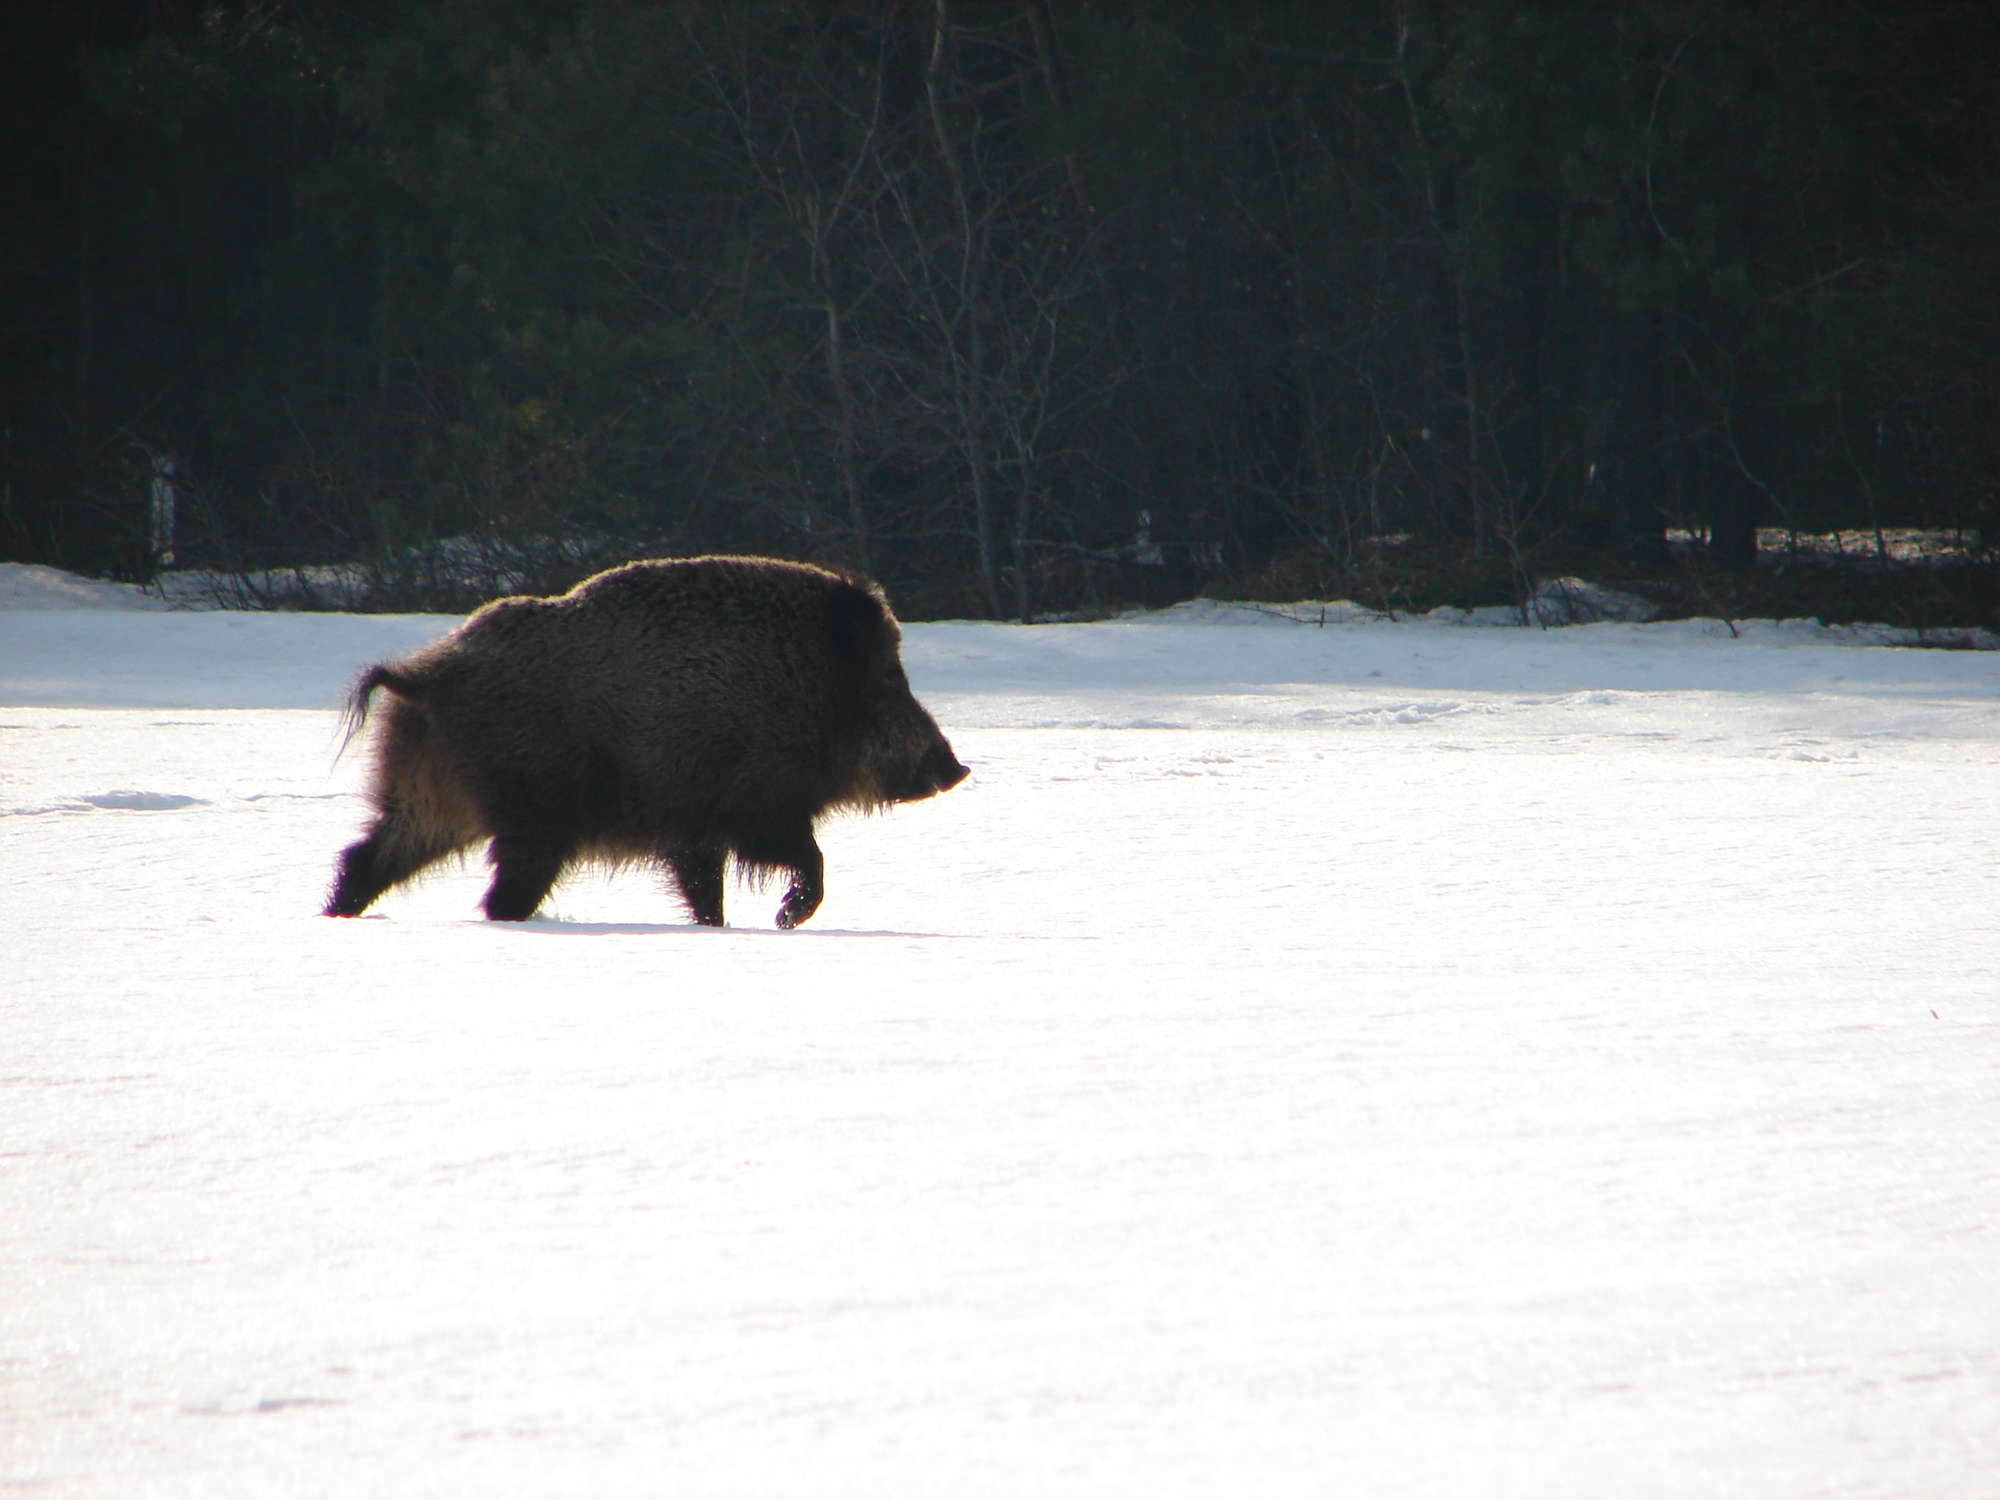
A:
<point x="1382" y="1058"/>
<point x="33" y="586"/>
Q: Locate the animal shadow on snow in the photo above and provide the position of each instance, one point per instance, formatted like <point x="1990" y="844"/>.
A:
<point x="558" y="927"/>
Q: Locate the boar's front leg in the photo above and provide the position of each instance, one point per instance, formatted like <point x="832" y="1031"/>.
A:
<point x="788" y="844"/>
<point x="698" y="872"/>
<point x="808" y="886"/>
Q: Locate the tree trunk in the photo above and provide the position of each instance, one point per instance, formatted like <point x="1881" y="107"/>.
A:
<point x="965" y="345"/>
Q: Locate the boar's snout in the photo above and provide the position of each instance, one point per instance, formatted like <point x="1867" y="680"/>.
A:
<point x="938" y="771"/>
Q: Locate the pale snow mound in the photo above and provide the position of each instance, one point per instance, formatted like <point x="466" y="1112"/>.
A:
<point x="33" y="586"/>
<point x="1560" y="603"/>
<point x="1556" y="603"/>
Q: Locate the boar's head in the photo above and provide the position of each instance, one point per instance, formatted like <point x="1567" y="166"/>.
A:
<point x="900" y="754"/>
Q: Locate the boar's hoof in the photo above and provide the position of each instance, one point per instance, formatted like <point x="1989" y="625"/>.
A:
<point x="800" y="902"/>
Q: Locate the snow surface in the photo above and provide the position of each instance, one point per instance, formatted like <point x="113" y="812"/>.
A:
<point x="1386" y="1059"/>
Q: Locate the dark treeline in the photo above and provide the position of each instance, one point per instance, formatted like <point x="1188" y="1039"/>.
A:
<point x="1020" y="304"/>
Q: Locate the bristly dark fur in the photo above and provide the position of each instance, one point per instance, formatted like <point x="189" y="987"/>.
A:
<point x="686" y="712"/>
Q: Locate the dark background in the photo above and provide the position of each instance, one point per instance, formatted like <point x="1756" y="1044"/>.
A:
<point x="1024" y="307"/>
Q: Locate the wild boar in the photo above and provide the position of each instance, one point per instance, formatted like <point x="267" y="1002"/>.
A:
<point x="678" y="712"/>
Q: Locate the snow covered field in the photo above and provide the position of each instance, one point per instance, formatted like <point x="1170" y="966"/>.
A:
<point x="1386" y="1059"/>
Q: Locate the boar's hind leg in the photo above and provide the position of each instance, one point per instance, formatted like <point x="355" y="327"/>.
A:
<point x="395" y="848"/>
<point x="698" y="872"/>
<point x="525" y="866"/>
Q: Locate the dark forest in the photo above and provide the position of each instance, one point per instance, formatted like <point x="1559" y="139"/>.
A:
<point x="1024" y="306"/>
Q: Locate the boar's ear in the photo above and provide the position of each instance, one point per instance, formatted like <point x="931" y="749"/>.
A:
<point x="854" y="624"/>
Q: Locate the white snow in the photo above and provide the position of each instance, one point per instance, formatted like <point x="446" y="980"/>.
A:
<point x="1379" y="1058"/>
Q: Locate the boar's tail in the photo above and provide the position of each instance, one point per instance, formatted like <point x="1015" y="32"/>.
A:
<point x="356" y="713"/>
